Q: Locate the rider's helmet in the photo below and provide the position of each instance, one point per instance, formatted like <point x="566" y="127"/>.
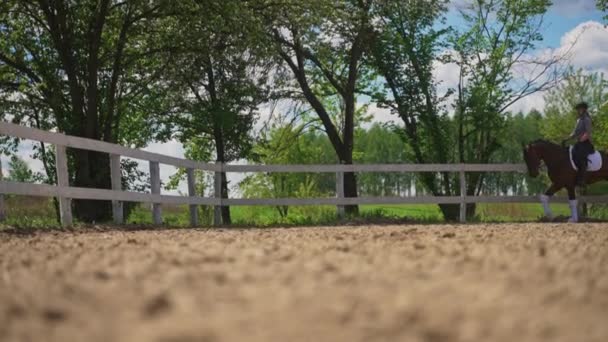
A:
<point x="582" y="105"/>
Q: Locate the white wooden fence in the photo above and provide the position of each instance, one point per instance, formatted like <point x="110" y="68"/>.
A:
<point x="65" y="193"/>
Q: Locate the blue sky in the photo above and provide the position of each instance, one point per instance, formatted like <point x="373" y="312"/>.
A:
<point x="559" y="23"/>
<point x="562" y="17"/>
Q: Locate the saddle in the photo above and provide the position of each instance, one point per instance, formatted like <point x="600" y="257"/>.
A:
<point x="594" y="161"/>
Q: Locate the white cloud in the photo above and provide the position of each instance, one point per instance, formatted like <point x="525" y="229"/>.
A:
<point x="447" y="74"/>
<point x="590" y="51"/>
<point x="525" y="105"/>
<point x="381" y="115"/>
<point x="587" y="46"/>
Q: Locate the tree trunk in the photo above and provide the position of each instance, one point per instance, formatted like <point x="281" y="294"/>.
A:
<point x="226" y="219"/>
<point x="350" y="182"/>
<point x="451" y="212"/>
<point x="220" y="151"/>
<point x="350" y="190"/>
<point x="92" y="171"/>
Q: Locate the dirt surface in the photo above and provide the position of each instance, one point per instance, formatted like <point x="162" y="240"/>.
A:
<point x="535" y="282"/>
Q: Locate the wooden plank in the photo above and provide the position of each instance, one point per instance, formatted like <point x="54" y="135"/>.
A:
<point x="340" y="193"/>
<point x="44" y="190"/>
<point x="2" y="206"/>
<point x="99" y="146"/>
<point x="343" y="201"/>
<point x="217" y="210"/>
<point x="116" y="176"/>
<point x="155" y="189"/>
<point x="463" y="196"/>
<point x="331" y="168"/>
<point x="192" y="193"/>
<point x="65" y="203"/>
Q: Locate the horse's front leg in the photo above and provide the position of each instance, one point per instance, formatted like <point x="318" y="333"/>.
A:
<point x="573" y="204"/>
<point x="544" y="200"/>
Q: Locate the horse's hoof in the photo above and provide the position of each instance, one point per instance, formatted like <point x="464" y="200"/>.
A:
<point x="571" y="220"/>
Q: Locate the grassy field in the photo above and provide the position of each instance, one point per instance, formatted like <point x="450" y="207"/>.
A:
<point x="39" y="212"/>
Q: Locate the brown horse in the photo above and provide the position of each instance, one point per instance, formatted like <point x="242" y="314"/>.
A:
<point x="561" y="172"/>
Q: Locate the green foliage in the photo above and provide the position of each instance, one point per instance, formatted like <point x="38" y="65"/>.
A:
<point x="602" y="5"/>
<point x="560" y="114"/>
<point x="28" y="212"/>
<point x="488" y="52"/>
<point x="406" y="45"/>
<point x="322" y="43"/>
<point x="199" y="71"/>
<point x="84" y="68"/>
<point x="218" y="82"/>
<point x="495" y="71"/>
<point x="382" y="145"/>
<point x="21" y="172"/>
<point x="290" y="143"/>
<point x="519" y="130"/>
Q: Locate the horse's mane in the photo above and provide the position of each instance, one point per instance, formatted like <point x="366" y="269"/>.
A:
<point x="544" y="142"/>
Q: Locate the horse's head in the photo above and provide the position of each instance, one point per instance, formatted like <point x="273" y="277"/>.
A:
<point x="532" y="159"/>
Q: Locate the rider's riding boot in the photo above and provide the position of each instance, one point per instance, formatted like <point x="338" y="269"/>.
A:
<point x="580" y="176"/>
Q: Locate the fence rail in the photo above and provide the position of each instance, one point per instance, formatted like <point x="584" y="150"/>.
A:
<point x="65" y="193"/>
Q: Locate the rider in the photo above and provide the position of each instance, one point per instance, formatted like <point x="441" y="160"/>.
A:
<point x="583" y="147"/>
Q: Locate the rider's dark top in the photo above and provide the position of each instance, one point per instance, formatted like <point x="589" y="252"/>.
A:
<point x="583" y="125"/>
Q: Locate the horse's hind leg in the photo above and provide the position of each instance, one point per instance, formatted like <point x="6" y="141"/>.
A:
<point x="573" y="204"/>
<point x="544" y="200"/>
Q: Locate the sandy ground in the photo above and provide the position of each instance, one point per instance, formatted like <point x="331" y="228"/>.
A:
<point x="535" y="282"/>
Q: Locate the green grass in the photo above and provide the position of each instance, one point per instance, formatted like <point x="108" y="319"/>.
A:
<point x="29" y="212"/>
<point x="39" y="213"/>
<point x="422" y="212"/>
<point x="516" y="212"/>
<point x="262" y="216"/>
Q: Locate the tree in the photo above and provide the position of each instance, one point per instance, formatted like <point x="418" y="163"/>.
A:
<point x="406" y="45"/>
<point x="380" y="144"/>
<point x="219" y="81"/>
<point x="602" y="5"/>
<point x="20" y="171"/>
<point x="83" y="68"/>
<point x="322" y="42"/>
<point x="290" y="142"/>
<point x="495" y="55"/>
<point x="560" y="102"/>
<point x="519" y="129"/>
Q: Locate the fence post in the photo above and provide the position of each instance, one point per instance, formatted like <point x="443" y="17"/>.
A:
<point x="463" y="195"/>
<point x="217" y="210"/>
<point x="155" y="189"/>
<point x="340" y="193"/>
<point x="192" y="193"/>
<point x="116" y="176"/>
<point x="2" y="208"/>
<point x="65" y="204"/>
